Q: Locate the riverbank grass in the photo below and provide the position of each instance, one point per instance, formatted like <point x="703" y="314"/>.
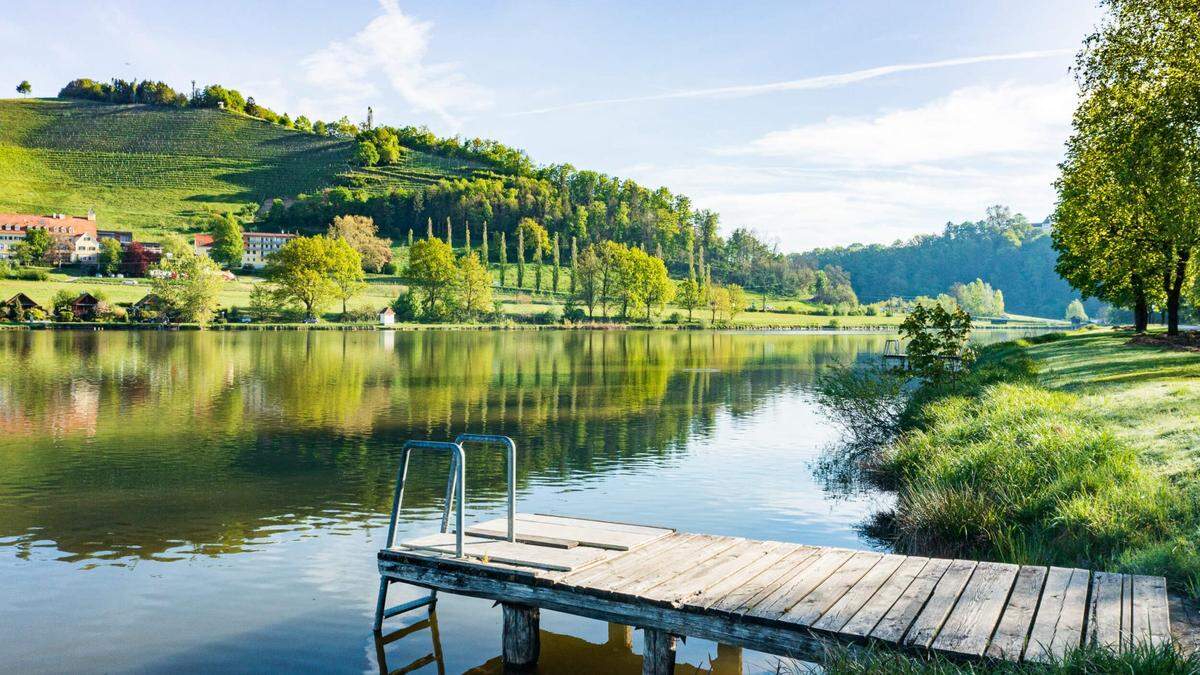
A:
<point x="1072" y="449"/>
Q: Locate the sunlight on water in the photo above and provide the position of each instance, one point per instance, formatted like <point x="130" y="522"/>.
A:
<point x="215" y="500"/>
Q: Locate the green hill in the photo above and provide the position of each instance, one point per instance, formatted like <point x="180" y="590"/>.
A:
<point x="151" y="168"/>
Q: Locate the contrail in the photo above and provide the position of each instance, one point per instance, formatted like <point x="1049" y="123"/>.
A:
<point x="818" y="82"/>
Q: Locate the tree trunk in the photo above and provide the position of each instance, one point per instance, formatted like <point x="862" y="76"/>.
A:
<point x="1174" y="292"/>
<point x="1141" y="313"/>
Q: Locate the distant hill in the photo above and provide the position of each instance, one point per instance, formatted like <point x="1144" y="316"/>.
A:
<point x="1004" y="250"/>
<point x="151" y="168"/>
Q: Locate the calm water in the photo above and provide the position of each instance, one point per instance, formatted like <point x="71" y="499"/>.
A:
<point x="215" y="500"/>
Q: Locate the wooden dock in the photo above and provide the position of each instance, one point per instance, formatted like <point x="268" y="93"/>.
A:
<point x="776" y="597"/>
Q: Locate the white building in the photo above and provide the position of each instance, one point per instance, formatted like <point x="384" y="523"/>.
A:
<point x="256" y="246"/>
<point x="75" y="239"/>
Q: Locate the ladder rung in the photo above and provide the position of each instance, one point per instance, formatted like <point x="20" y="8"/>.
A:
<point x="408" y="606"/>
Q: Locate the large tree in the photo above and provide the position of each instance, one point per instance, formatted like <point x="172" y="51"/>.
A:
<point x="190" y="287"/>
<point x="432" y="269"/>
<point x="24" y="88"/>
<point x="474" y="287"/>
<point x="228" y="245"/>
<point x="1129" y="193"/>
<point x="108" y="260"/>
<point x="362" y="235"/>
<point x="345" y="270"/>
<point x="301" y="271"/>
<point x="35" y="247"/>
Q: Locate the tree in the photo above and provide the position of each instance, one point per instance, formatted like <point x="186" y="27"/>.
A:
<point x="978" y="298"/>
<point x="108" y="260"/>
<point x="503" y="260"/>
<point x="35" y="246"/>
<point x="520" y="258"/>
<point x="365" y="154"/>
<point x="737" y="300"/>
<point x="175" y="244"/>
<point x="228" y="244"/>
<point x="557" y="268"/>
<point x="937" y="339"/>
<point x="718" y="301"/>
<point x="586" y="278"/>
<point x="301" y="272"/>
<point x="345" y="268"/>
<point x="449" y="234"/>
<point x="483" y="246"/>
<point x="659" y="288"/>
<point x="189" y="288"/>
<point x="474" y="287"/>
<point x="1076" y="313"/>
<point x="432" y="269"/>
<point x="467" y="238"/>
<point x="1129" y="188"/>
<point x="533" y="234"/>
<point x="137" y="260"/>
<point x="361" y="233"/>
<point x="574" y="255"/>
<point x="24" y="88"/>
<point x="537" y="271"/>
<point x="688" y="296"/>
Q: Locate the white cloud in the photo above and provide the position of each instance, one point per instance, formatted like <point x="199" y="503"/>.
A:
<point x="807" y="83"/>
<point x="390" y="53"/>
<point x="888" y="176"/>
<point x="1007" y="122"/>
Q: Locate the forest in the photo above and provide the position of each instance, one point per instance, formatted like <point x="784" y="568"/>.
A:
<point x="1003" y="249"/>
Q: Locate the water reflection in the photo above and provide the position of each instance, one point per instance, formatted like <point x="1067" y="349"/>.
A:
<point x="560" y="653"/>
<point x="127" y="445"/>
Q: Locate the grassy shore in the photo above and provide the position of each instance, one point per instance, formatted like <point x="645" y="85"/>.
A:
<point x="1076" y="449"/>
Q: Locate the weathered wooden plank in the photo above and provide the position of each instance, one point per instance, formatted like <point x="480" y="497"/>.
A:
<point x="568" y="535"/>
<point x="894" y="624"/>
<point x="745" y="579"/>
<point x="727" y="563"/>
<point x="684" y="562"/>
<point x="576" y="521"/>
<point x="809" y="608"/>
<point x="801" y="584"/>
<point x="940" y="602"/>
<point x="523" y="537"/>
<point x="969" y="627"/>
<point x="1059" y="623"/>
<point x="543" y="557"/>
<point x="1015" y="623"/>
<point x="619" y="563"/>
<point x="1105" y="611"/>
<point x="866" y="588"/>
<point x="1151" y="622"/>
<point x="739" y="600"/>
<point x="869" y="615"/>
<point x="636" y="570"/>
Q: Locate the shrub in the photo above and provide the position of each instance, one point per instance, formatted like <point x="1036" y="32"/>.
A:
<point x="389" y="268"/>
<point x="406" y="307"/>
<point x="575" y="314"/>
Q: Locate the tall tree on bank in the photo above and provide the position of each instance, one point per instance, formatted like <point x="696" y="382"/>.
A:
<point x="228" y="245"/>
<point x="483" y="246"/>
<point x="557" y="262"/>
<point x="503" y="260"/>
<point x="520" y="258"/>
<point x="574" y="267"/>
<point x="1130" y="186"/>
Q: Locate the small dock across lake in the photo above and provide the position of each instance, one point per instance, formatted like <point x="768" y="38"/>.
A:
<point x="776" y="597"/>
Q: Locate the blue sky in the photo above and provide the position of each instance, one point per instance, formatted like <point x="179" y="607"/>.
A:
<point x="813" y="123"/>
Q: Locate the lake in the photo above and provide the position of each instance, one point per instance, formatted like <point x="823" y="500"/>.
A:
<point x="214" y="501"/>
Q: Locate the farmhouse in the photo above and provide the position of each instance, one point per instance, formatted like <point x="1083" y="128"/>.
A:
<point x="84" y="306"/>
<point x="75" y="238"/>
<point x="257" y="246"/>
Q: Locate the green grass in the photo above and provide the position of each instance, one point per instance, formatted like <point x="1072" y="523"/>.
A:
<point x="150" y="169"/>
<point x="1163" y="660"/>
<point x="1071" y="450"/>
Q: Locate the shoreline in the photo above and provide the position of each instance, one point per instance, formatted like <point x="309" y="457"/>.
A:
<point x="412" y="327"/>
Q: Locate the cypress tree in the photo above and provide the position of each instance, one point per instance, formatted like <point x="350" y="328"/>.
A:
<point x="410" y="237"/>
<point x="449" y="234"/>
<point x="429" y="228"/>
<point x="537" y="271"/>
<point x="503" y="260"/>
<point x="483" y="247"/>
<point x="574" y="255"/>
<point x="520" y="258"/>
<point x="557" y="265"/>
<point x="468" y="237"/>
<point x="691" y="264"/>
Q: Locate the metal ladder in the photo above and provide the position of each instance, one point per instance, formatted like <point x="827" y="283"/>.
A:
<point x="455" y="487"/>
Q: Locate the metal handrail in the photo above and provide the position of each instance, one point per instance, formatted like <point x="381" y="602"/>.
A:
<point x="507" y="442"/>
<point x="458" y="463"/>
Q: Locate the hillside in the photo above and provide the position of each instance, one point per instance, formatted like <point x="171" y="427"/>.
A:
<point x="151" y="168"/>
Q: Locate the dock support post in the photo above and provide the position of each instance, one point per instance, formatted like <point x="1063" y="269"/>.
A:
<point x="658" y="652"/>
<point x="522" y="641"/>
<point x="620" y="636"/>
